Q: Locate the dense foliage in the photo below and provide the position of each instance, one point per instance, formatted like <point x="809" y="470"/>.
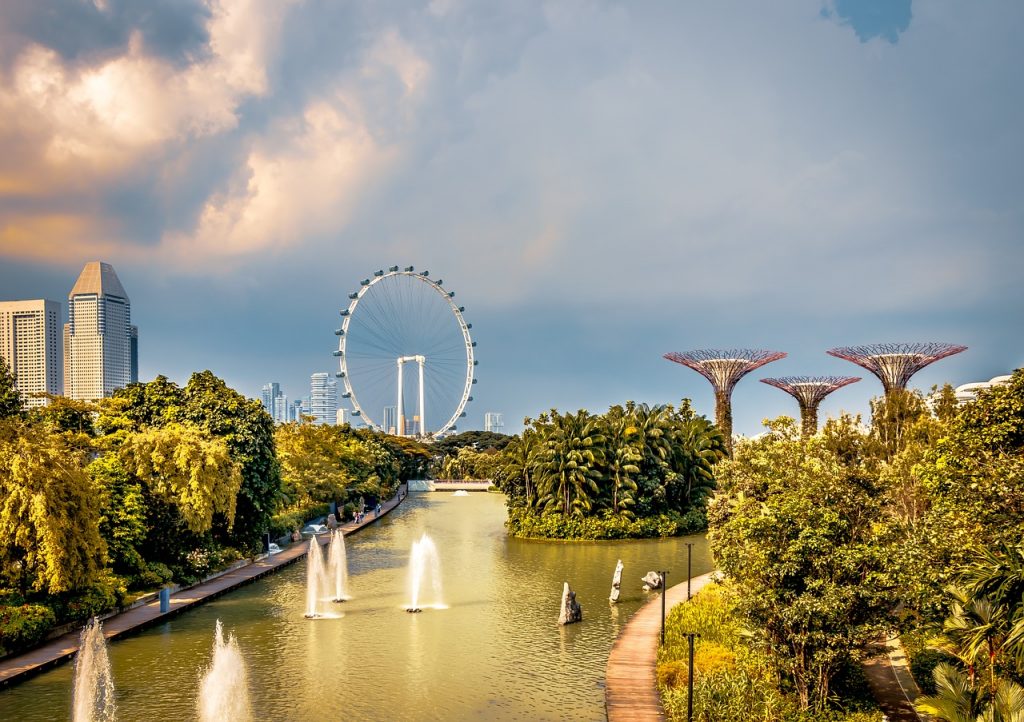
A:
<point x="161" y="483"/>
<point x="734" y="680"/>
<point x="913" y="525"/>
<point x="634" y="462"/>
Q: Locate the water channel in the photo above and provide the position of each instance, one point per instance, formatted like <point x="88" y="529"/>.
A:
<point x="496" y="652"/>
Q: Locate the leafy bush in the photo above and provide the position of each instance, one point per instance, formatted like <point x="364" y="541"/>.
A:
<point x="731" y="680"/>
<point x="286" y="521"/>
<point x="526" y="523"/>
<point x="923" y="664"/>
<point x="108" y="592"/>
<point x="24" y="626"/>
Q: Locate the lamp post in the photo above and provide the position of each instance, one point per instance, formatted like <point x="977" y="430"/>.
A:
<point x="664" y="589"/>
<point x="689" y="573"/>
<point x="689" y="679"/>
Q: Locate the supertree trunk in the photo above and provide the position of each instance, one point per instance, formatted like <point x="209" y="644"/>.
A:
<point x="723" y="417"/>
<point x="808" y="420"/>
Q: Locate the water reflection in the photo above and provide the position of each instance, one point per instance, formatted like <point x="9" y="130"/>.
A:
<point x="497" y="653"/>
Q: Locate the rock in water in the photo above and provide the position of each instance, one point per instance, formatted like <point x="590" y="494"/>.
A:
<point x="651" y="580"/>
<point x="571" y="611"/>
<point x="616" y="583"/>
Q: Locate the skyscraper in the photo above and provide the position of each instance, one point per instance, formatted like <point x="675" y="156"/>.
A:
<point x="30" y="341"/>
<point x="493" y="421"/>
<point x="342" y="417"/>
<point x="97" y="336"/>
<point x="323" y="398"/>
<point x="281" y="409"/>
<point x="270" y="392"/>
<point x="391" y="419"/>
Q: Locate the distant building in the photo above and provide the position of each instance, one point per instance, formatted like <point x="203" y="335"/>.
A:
<point x="323" y="398"/>
<point x="30" y="342"/>
<point x="281" y="410"/>
<point x="391" y="419"/>
<point x="270" y="392"/>
<point x="276" y="402"/>
<point x="98" y="335"/>
<point x="493" y="421"/>
<point x="341" y="417"/>
<point x="297" y="410"/>
<point x="969" y="392"/>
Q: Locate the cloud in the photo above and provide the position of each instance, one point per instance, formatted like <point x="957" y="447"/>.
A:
<point x="77" y="129"/>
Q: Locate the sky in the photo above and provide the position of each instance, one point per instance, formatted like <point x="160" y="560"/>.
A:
<point x="600" y="183"/>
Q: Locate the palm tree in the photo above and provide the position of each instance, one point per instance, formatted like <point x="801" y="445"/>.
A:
<point x="958" y="700"/>
<point x="567" y="470"/>
<point x="621" y="455"/>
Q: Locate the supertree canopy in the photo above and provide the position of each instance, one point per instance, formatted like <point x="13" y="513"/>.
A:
<point x="809" y="391"/>
<point x="724" y="369"/>
<point x="895" y="363"/>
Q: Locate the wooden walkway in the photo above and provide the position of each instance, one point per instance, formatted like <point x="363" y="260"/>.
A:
<point x="631" y="690"/>
<point x="18" y="668"/>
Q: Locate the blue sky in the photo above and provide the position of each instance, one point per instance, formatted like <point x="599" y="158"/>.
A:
<point x="600" y="182"/>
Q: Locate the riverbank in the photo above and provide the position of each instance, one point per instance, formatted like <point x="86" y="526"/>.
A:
<point x="57" y="651"/>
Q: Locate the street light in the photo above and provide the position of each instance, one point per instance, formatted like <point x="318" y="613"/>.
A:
<point x="664" y="589"/>
<point x="689" y="679"/>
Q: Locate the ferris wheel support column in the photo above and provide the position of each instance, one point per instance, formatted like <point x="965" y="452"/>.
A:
<point x="423" y="418"/>
<point x="400" y="431"/>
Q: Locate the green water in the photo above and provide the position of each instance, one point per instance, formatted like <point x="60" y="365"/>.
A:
<point x="496" y="652"/>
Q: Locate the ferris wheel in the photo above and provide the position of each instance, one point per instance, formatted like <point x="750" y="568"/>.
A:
<point x="406" y="355"/>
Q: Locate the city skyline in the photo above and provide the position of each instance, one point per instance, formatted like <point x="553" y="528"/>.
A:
<point x="602" y="186"/>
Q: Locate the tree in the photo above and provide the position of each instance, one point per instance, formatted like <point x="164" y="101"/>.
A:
<point x="10" y="398"/>
<point x="622" y="453"/>
<point x="567" y="470"/>
<point x="49" y="513"/>
<point x="801" y="536"/>
<point x="123" y="510"/>
<point x="183" y="467"/>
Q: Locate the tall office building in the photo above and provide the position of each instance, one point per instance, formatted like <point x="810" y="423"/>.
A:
<point x="270" y="392"/>
<point x="98" y="335"/>
<point x="391" y="419"/>
<point x="297" y="410"/>
<point x="30" y="341"/>
<point x="341" y="417"/>
<point x="493" y="421"/>
<point x="281" y="409"/>
<point x="323" y="398"/>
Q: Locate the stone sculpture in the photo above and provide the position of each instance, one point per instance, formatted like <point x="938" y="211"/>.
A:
<point x="571" y="611"/>
<point x="651" y="580"/>
<point x="616" y="583"/>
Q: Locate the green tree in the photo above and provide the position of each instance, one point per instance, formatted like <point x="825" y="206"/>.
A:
<point x="800" y="535"/>
<point x="122" y="520"/>
<point x="49" y="512"/>
<point x="10" y="398"/>
<point x="182" y="466"/>
<point x="567" y="471"/>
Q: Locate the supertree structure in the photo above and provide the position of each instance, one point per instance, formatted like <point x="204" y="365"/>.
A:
<point x="895" y="363"/>
<point x="724" y="369"/>
<point x="809" y="392"/>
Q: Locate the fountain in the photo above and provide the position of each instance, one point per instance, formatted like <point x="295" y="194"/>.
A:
<point x="93" y="696"/>
<point x="616" y="583"/>
<point x="337" y="566"/>
<point x="316" y="579"/>
<point x="570" y="611"/>
<point x="423" y="559"/>
<point x="224" y="691"/>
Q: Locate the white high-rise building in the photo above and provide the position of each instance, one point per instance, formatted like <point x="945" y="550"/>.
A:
<point x="98" y="335"/>
<point x="281" y="409"/>
<point x="493" y="421"/>
<point x="323" y="398"/>
<point x="30" y="342"/>
<point x="341" y="417"/>
<point x="270" y="392"/>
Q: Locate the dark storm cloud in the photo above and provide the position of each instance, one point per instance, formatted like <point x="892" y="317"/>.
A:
<point x="79" y="29"/>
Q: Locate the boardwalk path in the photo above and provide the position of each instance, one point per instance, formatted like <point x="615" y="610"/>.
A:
<point x="20" y="667"/>
<point x="631" y="691"/>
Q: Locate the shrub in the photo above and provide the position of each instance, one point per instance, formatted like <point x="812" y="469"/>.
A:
<point x="526" y="523"/>
<point x="286" y="521"/>
<point x="923" y="664"/>
<point x="24" y="626"/>
<point x="106" y="593"/>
